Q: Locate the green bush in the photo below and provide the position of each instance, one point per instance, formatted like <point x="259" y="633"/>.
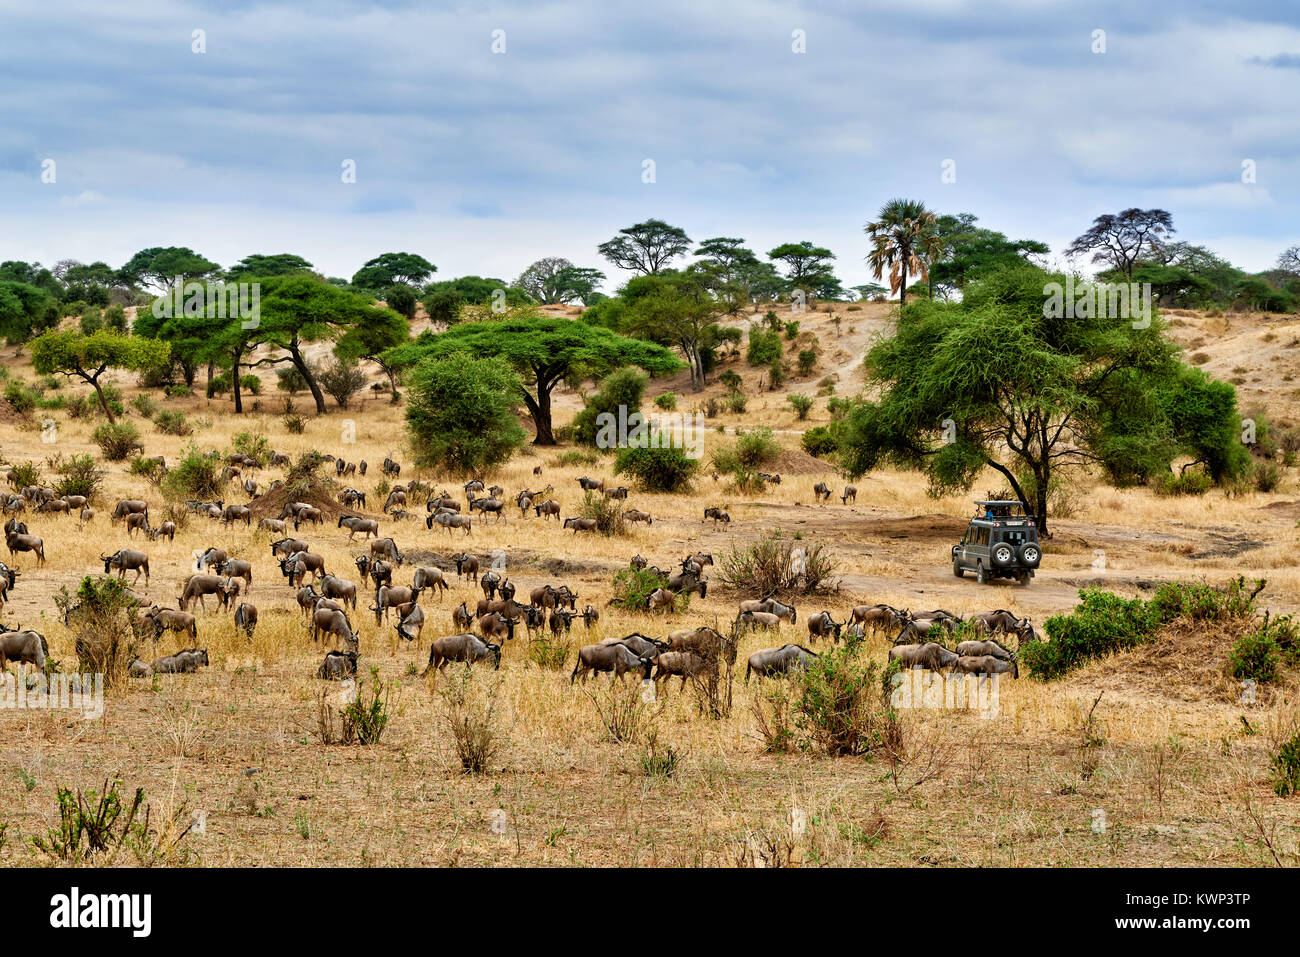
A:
<point x="1284" y="765"/>
<point x="1256" y="655"/>
<point x="461" y="413"/>
<point x="623" y="388"/>
<point x="145" y="405"/>
<point x="667" y="469"/>
<point x="792" y="330"/>
<point x="21" y="396"/>
<point x="253" y="444"/>
<point x="819" y="441"/>
<point x="632" y="586"/>
<point x="78" y="475"/>
<point x="289" y="379"/>
<point x="1102" y="623"/>
<point x="736" y="403"/>
<point x="802" y="404"/>
<point x="1191" y="482"/>
<point x="807" y="362"/>
<point x="756" y="448"/>
<point x="172" y="422"/>
<point x="775" y="376"/>
<point x="841" y="706"/>
<point x="295" y="423"/>
<point x="194" y="476"/>
<point x="667" y="401"/>
<point x="251" y="383"/>
<point x="116" y="441"/>
<point x="764" y="347"/>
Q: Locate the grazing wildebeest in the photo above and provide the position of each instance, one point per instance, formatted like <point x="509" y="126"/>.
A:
<point x="330" y="621"/>
<point x="288" y="547"/>
<point x="450" y="520"/>
<point x="308" y="514"/>
<point x="353" y="523"/>
<point x="985" y="665"/>
<point x="561" y="619"/>
<point x="633" y="515"/>
<point x="169" y="619"/>
<point x="340" y="589"/>
<point x="466" y="565"/>
<point x="386" y="548"/>
<point x="683" y="664"/>
<point x="200" y="586"/>
<point x="639" y="643"/>
<point x="338" y="665"/>
<point x="236" y="513"/>
<point x="237" y="568"/>
<point x="822" y="624"/>
<point x="850" y="492"/>
<point x="183" y="662"/>
<point x="56" y="505"/>
<point x="931" y="655"/>
<point x="979" y="649"/>
<point x="246" y="618"/>
<point x="496" y="625"/>
<point x="88" y="514"/>
<point x="432" y="578"/>
<point x="381" y="572"/>
<point x="620" y="492"/>
<point x="754" y="620"/>
<point x="778" y="661"/>
<point x="389" y="596"/>
<point x="165" y="530"/>
<point x="704" y="641"/>
<point x="877" y="616"/>
<point x="718" y="515"/>
<point x="211" y="558"/>
<point x="18" y="542"/>
<point x="1003" y="622"/>
<point x="661" y="599"/>
<point x="589" y="616"/>
<point x="580" y="524"/>
<point x="129" y="506"/>
<point x="396" y="497"/>
<point x="489" y="583"/>
<point x="463" y="647"/>
<point x="23" y="647"/>
<point x="296" y="567"/>
<point x="548" y="509"/>
<point x="461" y="618"/>
<point x="822" y="492"/>
<point x="411" y="621"/>
<point x="591" y="485"/>
<point x="125" y="560"/>
<point x="306" y="598"/>
<point x="616" y="658"/>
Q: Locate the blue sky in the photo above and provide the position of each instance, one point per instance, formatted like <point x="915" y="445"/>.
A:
<point x="484" y="162"/>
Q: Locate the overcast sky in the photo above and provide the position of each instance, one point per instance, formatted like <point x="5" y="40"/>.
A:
<point x="483" y="162"/>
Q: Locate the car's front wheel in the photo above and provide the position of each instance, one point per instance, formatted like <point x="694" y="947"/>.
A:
<point x="957" y="569"/>
<point x="980" y="577"/>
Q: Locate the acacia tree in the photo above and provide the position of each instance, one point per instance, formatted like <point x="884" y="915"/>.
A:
<point x="808" y="267"/>
<point x="544" y="350"/>
<point x="461" y="414"/>
<point x="541" y="279"/>
<point x="993" y="382"/>
<point x="677" y="309"/>
<point x="1122" y="240"/>
<point x="388" y="268"/>
<point x="299" y="309"/>
<point x="161" y="266"/>
<point x="88" y="357"/>
<point x="905" y="239"/>
<point x="646" y="248"/>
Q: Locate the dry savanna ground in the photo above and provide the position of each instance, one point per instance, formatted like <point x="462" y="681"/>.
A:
<point x="1166" y="757"/>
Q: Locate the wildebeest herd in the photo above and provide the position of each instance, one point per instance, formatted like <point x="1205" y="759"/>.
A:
<point x="325" y="597"/>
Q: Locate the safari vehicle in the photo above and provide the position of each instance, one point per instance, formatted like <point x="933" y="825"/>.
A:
<point x="1000" y="542"/>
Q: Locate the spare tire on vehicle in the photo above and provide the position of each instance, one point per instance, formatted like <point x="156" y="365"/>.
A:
<point x="1002" y="553"/>
<point x="1030" y="554"/>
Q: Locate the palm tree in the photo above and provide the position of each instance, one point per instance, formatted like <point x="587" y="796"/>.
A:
<point x="904" y="238"/>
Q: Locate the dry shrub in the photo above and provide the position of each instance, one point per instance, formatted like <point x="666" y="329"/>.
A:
<point x="775" y="566"/>
<point x="623" y="711"/>
<point x="472" y="712"/>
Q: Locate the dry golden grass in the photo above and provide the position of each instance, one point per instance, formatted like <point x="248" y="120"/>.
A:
<point x="1178" y="777"/>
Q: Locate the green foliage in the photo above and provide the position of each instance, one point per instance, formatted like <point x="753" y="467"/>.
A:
<point x="461" y="413"/>
<point x="195" y="476"/>
<point x="1284" y="766"/>
<point x="764" y="347"/>
<point x="1256" y="655"/>
<point x="255" y="445"/>
<point x="608" y="513"/>
<point x="767" y="566"/>
<point x="295" y="423"/>
<point x="1191" y="482"/>
<point x="367" y="717"/>
<point x="289" y="379"/>
<point x="389" y="268"/>
<point x="172" y="422"/>
<point x="621" y="388"/>
<point x="820" y="441"/>
<point x="839" y="704"/>
<point x="807" y="361"/>
<point x="632" y="587"/>
<point x="25" y="309"/>
<point x="25" y="474"/>
<point x="802" y="404"/>
<point x="341" y="379"/>
<point x="792" y="330"/>
<point x="78" y="475"/>
<point x="667" y="401"/>
<point x="116" y="441"/>
<point x="145" y="405"/>
<point x="21" y="396"/>
<point x="401" y="298"/>
<point x="666" y="469"/>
